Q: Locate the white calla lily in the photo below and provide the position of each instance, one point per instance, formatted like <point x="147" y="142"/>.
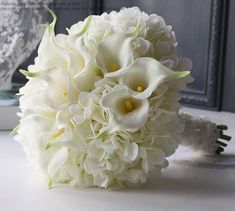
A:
<point x="62" y="93"/>
<point x="79" y="55"/>
<point x="116" y="52"/>
<point x="69" y="52"/>
<point x="57" y="161"/>
<point x="85" y="80"/>
<point x="54" y="94"/>
<point x="82" y="64"/>
<point x="126" y="112"/>
<point x="50" y="49"/>
<point x="62" y="133"/>
<point x="145" y="74"/>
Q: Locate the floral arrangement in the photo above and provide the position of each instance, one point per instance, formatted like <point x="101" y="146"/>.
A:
<point x="100" y="107"/>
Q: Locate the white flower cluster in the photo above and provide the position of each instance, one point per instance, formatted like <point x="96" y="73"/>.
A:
<point x="101" y="104"/>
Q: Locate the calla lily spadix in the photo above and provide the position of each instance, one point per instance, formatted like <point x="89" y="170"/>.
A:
<point x="145" y="74"/>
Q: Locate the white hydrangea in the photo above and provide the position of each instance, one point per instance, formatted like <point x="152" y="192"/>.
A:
<point x="101" y="104"/>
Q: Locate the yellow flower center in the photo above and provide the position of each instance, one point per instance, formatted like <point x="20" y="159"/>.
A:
<point x="98" y="72"/>
<point x="114" y="67"/>
<point x="139" y="89"/>
<point x="65" y="93"/>
<point x="56" y="135"/>
<point x="129" y="106"/>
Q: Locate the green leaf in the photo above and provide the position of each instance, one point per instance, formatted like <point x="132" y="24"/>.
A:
<point x="182" y="74"/>
<point x="86" y="27"/>
<point x="103" y="134"/>
<point x="50" y="183"/>
<point x="14" y="131"/>
<point x="48" y="146"/>
<point x="29" y="74"/>
<point x="52" y="24"/>
<point x="137" y="30"/>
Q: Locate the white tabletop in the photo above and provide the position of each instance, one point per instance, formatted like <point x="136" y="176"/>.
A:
<point x="191" y="182"/>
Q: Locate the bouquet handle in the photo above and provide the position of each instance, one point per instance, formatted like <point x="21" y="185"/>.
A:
<point x="201" y="134"/>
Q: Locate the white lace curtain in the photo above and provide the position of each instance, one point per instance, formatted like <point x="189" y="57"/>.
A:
<point x="19" y="34"/>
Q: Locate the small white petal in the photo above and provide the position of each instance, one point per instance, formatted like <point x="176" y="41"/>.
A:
<point x="132" y="152"/>
<point x="91" y="166"/>
<point x="184" y="64"/>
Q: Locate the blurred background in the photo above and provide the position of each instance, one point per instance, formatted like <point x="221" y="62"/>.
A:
<point x="204" y="30"/>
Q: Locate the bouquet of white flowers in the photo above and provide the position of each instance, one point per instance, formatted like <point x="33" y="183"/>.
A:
<point x="100" y="107"/>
